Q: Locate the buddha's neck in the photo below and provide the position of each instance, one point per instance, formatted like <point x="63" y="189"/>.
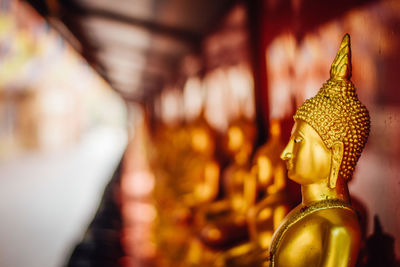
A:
<point x="317" y="192"/>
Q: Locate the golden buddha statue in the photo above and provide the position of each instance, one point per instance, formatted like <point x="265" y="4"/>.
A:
<point x="223" y="223"/>
<point x="267" y="201"/>
<point x="200" y="183"/>
<point x="171" y="228"/>
<point x="241" y="135"/>
<point x="270" y="182"/>
<point x="187" y="178"/>
<point x="330" y="132"/>
<point x="186" y="161"/>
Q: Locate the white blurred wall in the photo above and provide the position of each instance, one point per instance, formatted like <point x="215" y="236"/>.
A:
<point x="48" y="199"/>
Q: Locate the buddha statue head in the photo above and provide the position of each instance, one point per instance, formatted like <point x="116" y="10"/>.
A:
<point x="202" y="137"/>
<point x="331" y="129"/>
<point x="239" y="140"/>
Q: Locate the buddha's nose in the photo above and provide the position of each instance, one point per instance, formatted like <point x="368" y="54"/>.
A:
<point x="287" y="153"/>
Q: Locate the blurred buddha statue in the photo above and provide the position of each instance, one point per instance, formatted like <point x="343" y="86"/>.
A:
<point x="270" y="180"/>
<point x="241" y="135"/>
<point x="329" y="134"/>
<point x="191" y="179"/>
<point x="186" y="157"/>
<point x="223" y="223"/>
<point x="269" y="203"/>
<point x="170" y="145"/>
<point x="200" y="183"/>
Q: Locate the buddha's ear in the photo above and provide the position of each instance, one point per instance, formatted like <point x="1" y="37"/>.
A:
<point x="336" y="161"/>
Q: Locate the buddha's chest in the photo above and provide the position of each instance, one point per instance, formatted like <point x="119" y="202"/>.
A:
<point x="299" y="246"/>
<point x="304" y="236"/>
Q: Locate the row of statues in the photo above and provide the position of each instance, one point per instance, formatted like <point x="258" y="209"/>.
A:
<point x="210" y="214"/>
<point x="236" y="212"/>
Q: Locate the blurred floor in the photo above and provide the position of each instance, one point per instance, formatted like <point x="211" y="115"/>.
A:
<point x="47" y="200"/>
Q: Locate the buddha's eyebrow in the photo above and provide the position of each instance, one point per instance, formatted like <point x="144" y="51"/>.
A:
<point x="291" y="133"/>
<point x="301" y="133"/>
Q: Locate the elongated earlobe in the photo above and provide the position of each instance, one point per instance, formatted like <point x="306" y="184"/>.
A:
<point x="337" y="156"/>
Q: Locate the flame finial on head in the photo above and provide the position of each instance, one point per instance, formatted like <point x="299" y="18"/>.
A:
<point x="341" y="66"/>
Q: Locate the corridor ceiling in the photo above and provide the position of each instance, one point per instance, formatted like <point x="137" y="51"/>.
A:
<point x="136" y="45"/>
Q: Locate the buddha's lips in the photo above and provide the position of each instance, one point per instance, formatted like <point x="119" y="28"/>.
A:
<point x="289" y="165"/>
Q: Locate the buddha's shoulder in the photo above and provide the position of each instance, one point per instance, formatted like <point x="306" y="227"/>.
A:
<point x="330" y="218"/>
